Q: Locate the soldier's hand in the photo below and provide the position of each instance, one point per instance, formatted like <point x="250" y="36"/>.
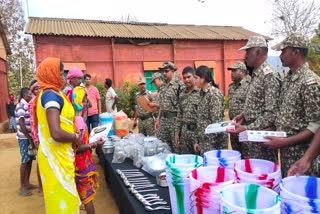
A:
<point x="299" y="167"/>
<point x="152" y="105"/>
<point x="275" y="142"/>
<point x="177" y="139"/>
<point x="196" y="148"/>
<point x="135" y="124"/>
<point x="238" y="128"/>
<point x="238" y="119"/>
<point x="156" y="125"/>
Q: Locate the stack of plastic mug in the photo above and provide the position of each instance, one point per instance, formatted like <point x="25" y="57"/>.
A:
<point x="249" y="198"/>
<point x="256" y="171"/>
<point x="205" y="185"/>
<point x="106" y="118"/>
<point x="178" y="171"/>
<point x="224" y="158"/>
<point x="300" y="194"/>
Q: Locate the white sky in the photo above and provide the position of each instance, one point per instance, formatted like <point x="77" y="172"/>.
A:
<point x="253" y="15"/>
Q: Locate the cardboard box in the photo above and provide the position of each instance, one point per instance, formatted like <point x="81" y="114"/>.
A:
<point x="220" y="127"/>
<point x="258" y="136"/>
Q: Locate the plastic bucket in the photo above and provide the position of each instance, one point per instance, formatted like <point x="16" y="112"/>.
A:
<point x="257" y="169"/>
<point x="215" y="177"/>
<point x="106" y="118"/>
<point x="224" y="158"/>
<point x="179" y="197"/>
<point x="249" y="198"/>
<point x="300" y="194"/>
<point x="183" y="161"/>
<point x="205" y="183"/>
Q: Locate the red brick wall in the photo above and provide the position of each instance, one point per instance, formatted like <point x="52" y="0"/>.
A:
<point x="3" y="90"/>
<point x="96" y="53"/>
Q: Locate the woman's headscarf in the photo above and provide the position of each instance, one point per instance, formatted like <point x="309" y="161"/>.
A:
<point x="48" y="77"/>
<point x="76" y="98"/>
<point x="48" y="74"/>
<point x="74" y="73"/>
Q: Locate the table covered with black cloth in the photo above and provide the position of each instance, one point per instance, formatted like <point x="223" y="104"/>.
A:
<point x="126" y="201"/>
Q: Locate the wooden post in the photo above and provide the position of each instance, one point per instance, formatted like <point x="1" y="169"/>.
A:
<point x="174" y="51"/>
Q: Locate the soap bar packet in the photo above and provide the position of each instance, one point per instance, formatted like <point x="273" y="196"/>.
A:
<point x="225" y="126"/>
<point x="259" y="136"/>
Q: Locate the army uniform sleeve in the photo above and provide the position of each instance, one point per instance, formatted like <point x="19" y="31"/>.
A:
<point x="178" y="124"/>
<point x="271" y="95"/>
<point x="216" y="108"/>
<point x="311" y="96"/>
<point x="149" y="96"/>
<point x="136" y="103"/>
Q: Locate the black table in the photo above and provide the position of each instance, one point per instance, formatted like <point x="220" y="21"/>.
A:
<point x="126" y="201"/>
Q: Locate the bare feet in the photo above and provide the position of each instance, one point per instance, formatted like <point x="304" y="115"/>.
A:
<point x="25" y="192"/>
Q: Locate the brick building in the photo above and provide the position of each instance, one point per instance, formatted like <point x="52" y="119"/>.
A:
<point x="4" y="91"/>
<point x="127" y="51"/>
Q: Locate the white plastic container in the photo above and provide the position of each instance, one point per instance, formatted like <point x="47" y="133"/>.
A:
<point x="300" y="194"/>
<point x="249" y="198"/>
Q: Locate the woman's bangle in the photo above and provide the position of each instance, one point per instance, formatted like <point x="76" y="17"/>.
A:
<point x="75" y="137"/>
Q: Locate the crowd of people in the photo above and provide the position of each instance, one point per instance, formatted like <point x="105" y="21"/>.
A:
<point x="54" y="118"/>
<point x="258" y="99"/>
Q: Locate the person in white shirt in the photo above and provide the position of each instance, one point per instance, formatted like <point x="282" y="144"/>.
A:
<point x="111" y="97"/>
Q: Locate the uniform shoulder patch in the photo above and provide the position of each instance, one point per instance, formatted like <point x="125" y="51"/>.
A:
<point x="267" y="70"/>
<point x="312" y="81"/>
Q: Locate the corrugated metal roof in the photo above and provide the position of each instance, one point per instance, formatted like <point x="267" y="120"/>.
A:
<point x="4" y="39"/>
<point x="137" y="30"/>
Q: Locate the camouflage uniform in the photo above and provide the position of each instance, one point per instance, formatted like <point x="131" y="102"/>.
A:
<point x="210" y="110"/>
<point x="169" y="95"/>
<point x="186" y="120"/>
<point x="236" y="99"/>
<point x="260" y="109"/>
<point x="299" y="106"/>
<point x="261" y="103"/>
<point x="146" y="120"/>
<point x="156" y="98"/>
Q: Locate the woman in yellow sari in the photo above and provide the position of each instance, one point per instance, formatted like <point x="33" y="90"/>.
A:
<point x="55" y="116"/>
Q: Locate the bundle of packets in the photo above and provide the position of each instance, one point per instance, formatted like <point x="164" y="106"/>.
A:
<point x="226" y="126"/>
<point x="259" y="136"/>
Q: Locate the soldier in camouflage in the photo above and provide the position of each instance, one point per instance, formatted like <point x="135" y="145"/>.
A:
<point x="156" y="79"/>
<point x="299" y="104"/>
<point x="186" y="136"/>
<point x="146" y="120"/>
<point x="261" y="102"/>
<point x="237" y="96"/>
<point x="169" y="96"/>
<point x="210" y="110"/>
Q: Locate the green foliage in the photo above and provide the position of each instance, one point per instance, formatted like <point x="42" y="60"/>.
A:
<point x="127" y="97"/>
<point x="314" y="52"/>
<point x="102" y="92"/>
<point x="21" y="45"/>
<point x="226" y="104"/>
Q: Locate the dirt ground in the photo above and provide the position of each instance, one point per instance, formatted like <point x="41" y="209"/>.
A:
<point x="10" y="200"/>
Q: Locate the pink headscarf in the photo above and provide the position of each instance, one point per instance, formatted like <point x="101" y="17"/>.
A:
<point x="74" y="73"/>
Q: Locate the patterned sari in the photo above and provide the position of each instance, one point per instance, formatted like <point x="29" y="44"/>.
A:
<point x="56" y="162"/>
<point x="86" y="172"/>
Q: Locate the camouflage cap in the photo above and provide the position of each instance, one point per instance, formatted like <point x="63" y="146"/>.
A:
<point x="238" y="65"/>
<point x="168" y="65"/>
<point x="255" y="42"/>
<point x="155" y="76"/>
<point x="142" y="80"/>
<point x="295" y="40"/>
